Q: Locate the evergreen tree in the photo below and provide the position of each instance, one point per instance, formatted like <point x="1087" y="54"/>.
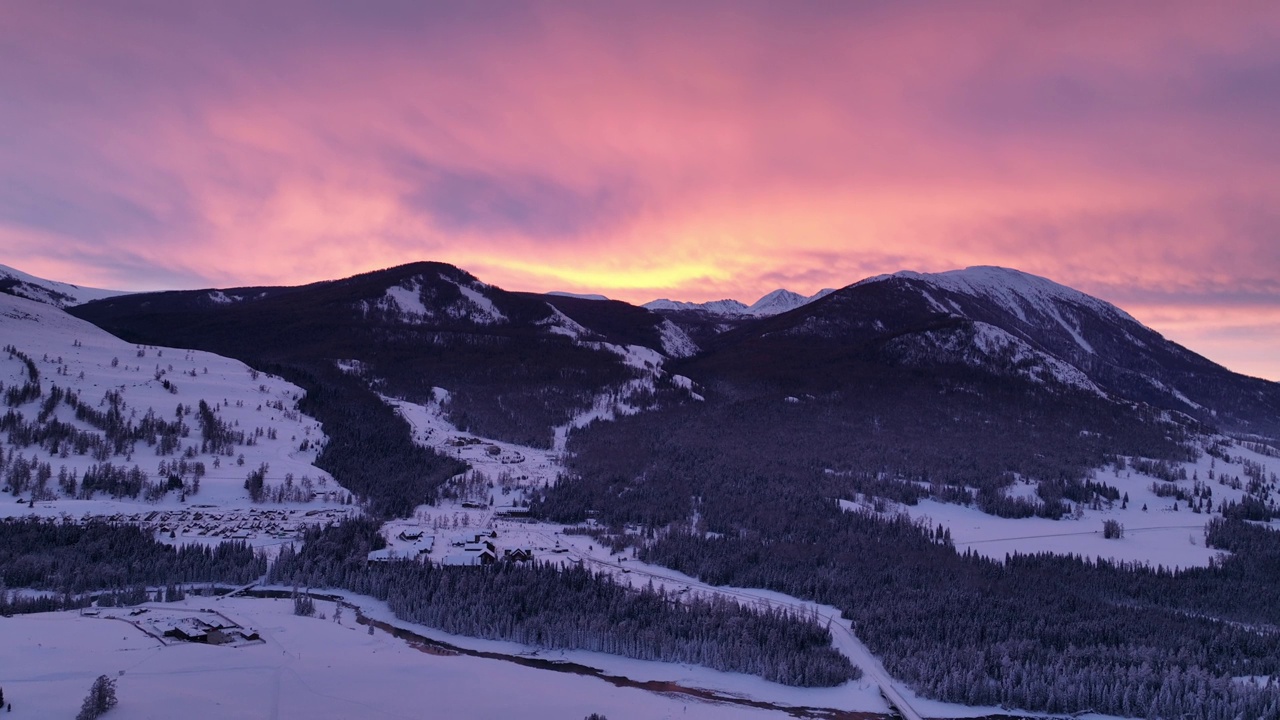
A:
<point x="101" y="698"/>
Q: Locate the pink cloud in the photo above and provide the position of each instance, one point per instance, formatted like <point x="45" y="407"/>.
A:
<point x="701" y="151"/>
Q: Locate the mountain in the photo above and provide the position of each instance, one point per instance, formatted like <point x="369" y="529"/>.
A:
<point x="955" y="386"/>
<point x="58" y="294"/>
<point x="991" y="320"/>
<point x="728" y="308"/>
<point x="778" y="301"/>
<point x="517" y="365"/>
<point x="1012" y="323"/>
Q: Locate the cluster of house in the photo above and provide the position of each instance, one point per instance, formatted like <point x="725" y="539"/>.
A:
<point x="211" y="628"/>
<point x="245" y="524"/>
<point x="478" y="549"/>
<point x="506" y="456"/>
<point x="413" y="545"/>
<point x="482" y="550"/>
<point x="217" y="631"/>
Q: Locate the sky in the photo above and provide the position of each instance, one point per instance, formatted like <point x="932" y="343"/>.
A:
<point x="686" y="150"/>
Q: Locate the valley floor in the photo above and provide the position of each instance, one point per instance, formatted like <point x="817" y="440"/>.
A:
<point x="317" y="668"/>
<point x="305" y="668"/>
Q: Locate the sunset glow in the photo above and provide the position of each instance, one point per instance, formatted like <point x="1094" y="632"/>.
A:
<point x="685" y="150"/>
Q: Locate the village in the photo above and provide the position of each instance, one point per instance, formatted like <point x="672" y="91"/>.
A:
<point x="469" y="533"/>
<point x="257" y="526"/>
<point x="235" y="523"/>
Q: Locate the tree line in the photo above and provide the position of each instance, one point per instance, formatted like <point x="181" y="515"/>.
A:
<point x="573" y="608"/>
<point x="75" y="558"/>
<point x="533" y="604"/>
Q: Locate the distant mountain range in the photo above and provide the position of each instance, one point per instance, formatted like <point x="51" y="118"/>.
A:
<point x="1000" y="321"/>
<point x="778" y="301"/>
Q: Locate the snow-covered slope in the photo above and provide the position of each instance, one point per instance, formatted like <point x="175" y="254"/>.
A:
<point x="675" y="342"/>
<point x="980" y="345"/>
<point x="1019" y="293"/>
<point x="420" y="299"/>
<point x="1061" y="319"/>
<point x="1084" y="336"/>
<point x="100" y="401"/>
<point x="58" y="294"/>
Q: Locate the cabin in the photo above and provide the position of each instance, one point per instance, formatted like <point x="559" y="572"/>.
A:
<point x="220" y="637"/>
<point x="472" y="556"/>
<point x="468" y="559"/>
<point x="480" y="544"/>
<point x="517" y="554"/>
<point x="190" y="630"/>
<point x="383" y="555"/>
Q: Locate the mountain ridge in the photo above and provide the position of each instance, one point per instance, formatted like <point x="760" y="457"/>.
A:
<point x="923" y="319"/>
<point x="51" y="292"/>
<point x="990" y="318"/>
<point x="771" y="303"/>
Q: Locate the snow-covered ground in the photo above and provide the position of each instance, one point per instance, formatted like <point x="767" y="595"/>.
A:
<point x="322" y="667"/>
<point x="305" y="668"/>
<point x="79" y="357"/>
<point x="1160" y="538"/>
<point x="531" y="467"/>
<point x="1154" y="532"/>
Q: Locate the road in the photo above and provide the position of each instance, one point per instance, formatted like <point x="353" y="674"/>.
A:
<point x="1127" y="530"/>
<point x="843" y="637"/>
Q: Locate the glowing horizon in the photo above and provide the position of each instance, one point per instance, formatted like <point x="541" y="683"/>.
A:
<point x="665" y="150"/>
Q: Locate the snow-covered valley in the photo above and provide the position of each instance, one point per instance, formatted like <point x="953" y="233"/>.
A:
<point x="196" y="449"/>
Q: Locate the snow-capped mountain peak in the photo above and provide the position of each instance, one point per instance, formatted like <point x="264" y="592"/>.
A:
<point x="1013" y="290"/>
<point x="715" y="307"/>
<point x="778" y="301"/>
<point x="774" y="303"/>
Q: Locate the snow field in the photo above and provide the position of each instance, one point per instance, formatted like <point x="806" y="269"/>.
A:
<point x="1158" y="535"/>
<point x="306" y="668"/>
